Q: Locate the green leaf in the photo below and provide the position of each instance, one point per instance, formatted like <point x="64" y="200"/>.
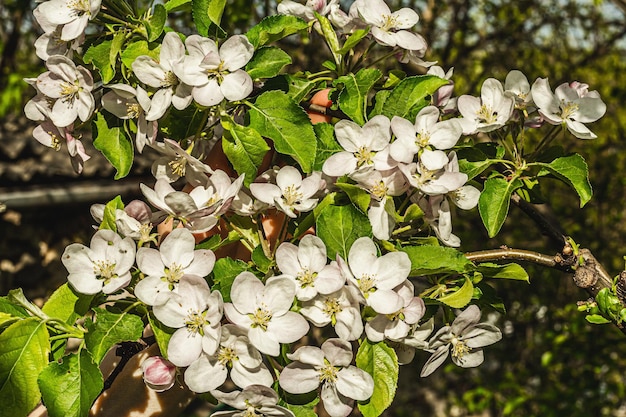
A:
<point x="70" y="387"/>
<point x="381" y="362"/>
<point x="262" y="262"/>
<point x="596" y="319"/>
<point x="339" y="227"/>
<point x="66" y="305"/>
<point x="110" y="329"/>
<point x="24" y="349"/>
<point x="409" y="96"/>
<point x="16" y="297"/>
<point x="273" y="28"/>
<point x="216" y="10"/>
<point x="296" y="86"/>
<point x="162" y="333"/>
<point x="155" y="24"/>
<point x="461" y="297"/>
<point x="357" y="195"/>
<point x="176" y="5"/>
<point x="353" y="97"/>
<point x="429" y="259"/>
<point x="116" y="46"/>
<point x="139" y="48"/>
<point x="475" y="160"/>
<point x="224" y="273"/>
<point x="327" y="145"/>
<point x="494" y="201"/>
<point x="244" y="147"/>
<point x="267" y="62"/>
<point x="200" y="14"/>
<point x="181" y="124"/>
<point x="108" y="219"/>
<point x="507" y="271"/>
<point x="111" y="140"/>
<point x="330" y="35"/>
<point x="572" y="170"/>
<point x="7" y="307"/>
<point x="353" y="40"/>
<point x="380" y="99"/>
<point x="99" y="56"/>
<point x="276" y="116"/>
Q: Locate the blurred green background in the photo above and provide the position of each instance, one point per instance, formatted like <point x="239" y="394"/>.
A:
<point x="550" y="362"/>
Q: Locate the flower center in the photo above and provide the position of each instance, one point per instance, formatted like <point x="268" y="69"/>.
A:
<point x="104" y="270"/>
<point x="132" y="110"/>
<point x="389" y="22"/>
<point x="169" y="80"/>
<point x="364" y="156"/>
<point x="379" y="190"/>
<point x="328" y="373"/>
<point x="55" y="143"/>
<point x="306" y="277"/>
<point x="195" y="322"/>
<point x="486" y="115"/>
<point x="331" y="308"/>
<point x="226" y="355"/>
<point x="291" y="195"/>
<point x="261" y="317"/>
<point x="459" y="348"/>
<point x="422" y="138"/>
<point x="569" y="108"/>
<point x="179" y="166"/>
<point x="79" y="7"/>
<point x="173" y="274"/>
<point x="367" y="284"/>
<point x="69" y="91"/>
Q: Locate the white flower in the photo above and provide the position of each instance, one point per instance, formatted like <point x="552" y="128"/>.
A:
<point x="376" y="277"/>
<point x="161" y="75"/>
<point x="214" y="74"/>
<point x="487" y="113"/>
<point x="329" y="367"/>
<point x="71" y="87"/>
<point x="74" y="15"/>
<point x="50" y="44"/>
<point x="197" y="313"/>
<point x="416" y="339"/>
<point x="306" y="264"/>
<point x="362" y="146"/>
<point x="306" y="11"/>
<point x="126" y="102"/>
<point x="572" y="106"/>
<point x="290" y="193"/>
<point x="264" y="311"/>
<point x="442" y="98"/>
<point x="516" y="85"/>
<point x="340" y="309"/>
<point x="389" y="28"/>
<point x="159" y="374"/>
<point x="465" y="337"/>
<point x="254" y="400"/>
<point x="165" y="267"/>
<point x="396" y="326"/>
<point x="431" y="177"/>
<point x="427" y="131"/>
<point x="104" y="266"/>
<point x="235" y="353"/>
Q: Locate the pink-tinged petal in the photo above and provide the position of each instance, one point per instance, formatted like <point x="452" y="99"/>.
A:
<point x="308" y="355"/>
<point x="244" y="292"/>
<point x="579" y="130"/>
<point x="355" y="383"/>
<point x="590" y="109"/>
<point x="339" y="164"/>
<point x="299" y="378"/>
<point x="335" y="404"/>
<point x="337" y="351"/>
<point x="205" y="374"/>
<point x="543" y="96"/>
<point x="385" y="301"/>
<point x="209" y="94"/>
<point x="237" y="85"/>
<point x="184" y="347"/>
<point x="374" y="11"/>
<point x="85" y="282"/>
<point x="236" y="51"/>
<point x="63" y="113"/>
<point x="180" y="203"/>
<point x="243" y="377"/>
<point x="265" y="192"/>
<point x="288" y="328"/>
<point x="265" y="341"/>
<point x="178" y="248"/>
<point x="397" y="330"/>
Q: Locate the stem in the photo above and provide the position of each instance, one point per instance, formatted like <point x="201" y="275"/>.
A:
<point x="514" y="255"/>
<point x="115" y="19"/>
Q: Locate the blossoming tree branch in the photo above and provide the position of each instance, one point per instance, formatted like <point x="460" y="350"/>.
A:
<point x="296" y="247"/>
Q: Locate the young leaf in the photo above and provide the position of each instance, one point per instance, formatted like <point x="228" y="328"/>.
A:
<point x="357" y="195"/>
<point x="109" y="329"/>
<point x="162" y="333"/>
<point x="339" y="227"/>
<point x="273" y="28"/>
<point x="10" y="309"/>
<point x="200" y="14"/>
<point x="353" y="40"/>
<point x="461" y="297"/>
<point x="296" y="87"/>
<point x="326" y="144"/>
<point x="493" y="204"/>
<point x="353" y="97"/>
<point x="24" y="349"/>
<point x="267" y="62"/>
<point x="154" y="25"/>
<point x="176" y="5"/>
<point x="66" y="305"/>
<point x="428" y="259"/>
<point x="381" y="362"/>
<point x="508" y="271"/>
<point x="276" y="116"/>
<point x="409" y="96"/>
<point x="70" y="387"/>
<point x="244" y="147"/>
<point x="224" y="273"/>
<point x="139" y="48"/>
<point x="572" y="170"/>
<point x="111" y="140"/>
<point x="99" y="56"/>
<point x="330" y="35"/>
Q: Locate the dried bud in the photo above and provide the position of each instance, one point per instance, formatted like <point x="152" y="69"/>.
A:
<point x="585" y="277"/>
<point x="159" y="374"/>
<point x="567" y="250"/>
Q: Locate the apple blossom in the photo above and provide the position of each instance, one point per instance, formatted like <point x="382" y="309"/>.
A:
<point x="254" y="400"/>
<point x="264" y="311"/>
<point x="339" y="309"/>
<point x="516" y="85"/>
<point x="328" y="366"/>
<point x="103" y="266"/>
<point x="487" y="113"/>
<point x="73" y="15"/>
<point x="159" y="374"/>
<point x="390" y="28"/>
<point x="177" y="162"/>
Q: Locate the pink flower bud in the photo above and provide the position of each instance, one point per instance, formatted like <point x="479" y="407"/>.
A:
<point x="159" y="374"/>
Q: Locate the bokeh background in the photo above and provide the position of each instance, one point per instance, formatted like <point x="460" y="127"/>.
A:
<point x="550" y="361"/>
